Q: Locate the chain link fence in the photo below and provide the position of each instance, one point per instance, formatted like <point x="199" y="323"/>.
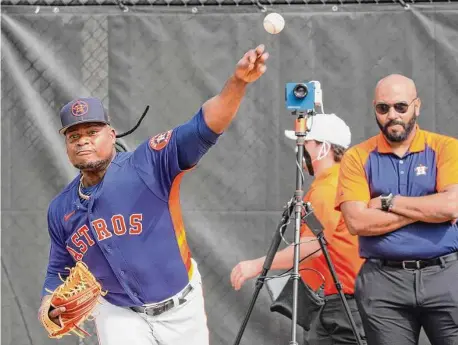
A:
<point x="173" y="60"/>
<point x="124" y="4"/>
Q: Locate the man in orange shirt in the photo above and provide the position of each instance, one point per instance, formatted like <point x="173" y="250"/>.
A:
<point x="326" y="143"/>
<point x="398" y="192"/>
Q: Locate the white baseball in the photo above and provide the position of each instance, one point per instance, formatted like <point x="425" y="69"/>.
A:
<point x="274" y="23"/>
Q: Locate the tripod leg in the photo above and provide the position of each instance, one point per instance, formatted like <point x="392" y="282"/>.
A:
<point x="295" y="274"/>
<point x="301" y="128"/>
<point x="259" y="285"/>
<point x="266" y="267"/>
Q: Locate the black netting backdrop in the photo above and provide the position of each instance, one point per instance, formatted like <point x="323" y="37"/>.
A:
<point x="174" y="58"/>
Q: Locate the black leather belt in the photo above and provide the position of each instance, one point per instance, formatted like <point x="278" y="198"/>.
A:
<point x="418" y="264"/>
<point x="337" y="297"/>
<point x="159" y="308"/>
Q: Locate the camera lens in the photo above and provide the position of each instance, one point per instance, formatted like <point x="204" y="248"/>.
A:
<point x="300" y="91"/>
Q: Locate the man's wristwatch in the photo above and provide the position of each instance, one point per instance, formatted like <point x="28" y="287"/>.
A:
<point x="387" y="202"/>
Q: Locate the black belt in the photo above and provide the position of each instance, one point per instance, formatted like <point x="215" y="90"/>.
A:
<point x="418" y="264"/>
<point x="159" y="308"/>
<point x="337" y="296"/>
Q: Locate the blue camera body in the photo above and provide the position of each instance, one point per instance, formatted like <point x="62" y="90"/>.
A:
<point x="300" y="96"/>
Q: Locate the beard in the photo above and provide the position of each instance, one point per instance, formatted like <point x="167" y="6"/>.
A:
<point x="98" y="165"/>
<point x="397" y="137"/>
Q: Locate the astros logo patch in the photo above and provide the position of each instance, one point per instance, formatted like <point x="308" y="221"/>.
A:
<point x="160" y="141"/>
<point x="421" y="170"/>
<point x="80" y="108"/>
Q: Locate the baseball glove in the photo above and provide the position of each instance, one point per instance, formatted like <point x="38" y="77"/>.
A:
<point x="79" y="294"/>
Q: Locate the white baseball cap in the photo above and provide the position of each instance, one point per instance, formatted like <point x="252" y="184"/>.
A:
<point x="326" y="127"/>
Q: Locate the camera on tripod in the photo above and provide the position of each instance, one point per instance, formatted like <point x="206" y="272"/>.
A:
<point x="303" y="97"/>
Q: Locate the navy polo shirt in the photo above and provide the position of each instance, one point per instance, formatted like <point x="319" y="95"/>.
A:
<point x="371" y="169"/>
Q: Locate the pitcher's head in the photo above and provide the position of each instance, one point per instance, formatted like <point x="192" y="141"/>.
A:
<point x="89" y="138"/>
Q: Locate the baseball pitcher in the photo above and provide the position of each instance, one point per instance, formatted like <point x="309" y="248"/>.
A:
<point x="121" y="217"/>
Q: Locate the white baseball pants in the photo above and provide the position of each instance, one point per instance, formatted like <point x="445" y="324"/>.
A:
<point x="185" y="324"/>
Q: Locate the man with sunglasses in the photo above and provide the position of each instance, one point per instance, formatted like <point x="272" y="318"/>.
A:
<point x="398" y="192"/>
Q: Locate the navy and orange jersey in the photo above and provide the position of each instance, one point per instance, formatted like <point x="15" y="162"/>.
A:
<point x="131" y="233"/>
<point x="371" y="169"/>
<point x="342" y="246"/>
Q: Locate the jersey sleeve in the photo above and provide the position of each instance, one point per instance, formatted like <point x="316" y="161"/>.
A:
<point x="161" y="158"/>
<point x="322" y="199"/>
<point x="59" y="257"/>
<point x="447" y="164"/>
<point x="353" y="184"/>
<point x="194" y="139"/>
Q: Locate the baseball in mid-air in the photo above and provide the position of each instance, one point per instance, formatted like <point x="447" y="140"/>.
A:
<point x="274" y="23"/>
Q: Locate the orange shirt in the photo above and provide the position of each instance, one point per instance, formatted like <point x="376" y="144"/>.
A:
<point x="342" y="246"/>
<point x="370" y="169"/>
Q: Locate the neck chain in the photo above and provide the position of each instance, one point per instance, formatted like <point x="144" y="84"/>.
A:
<point x="81" y="194"/>
<point x="80" y="186"/>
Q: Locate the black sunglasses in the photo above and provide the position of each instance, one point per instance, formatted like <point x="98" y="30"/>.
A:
<point x="399" y="107"/>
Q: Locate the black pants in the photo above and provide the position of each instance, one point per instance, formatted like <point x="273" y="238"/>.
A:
<point x="332" y="326"/>
<point x="395" y="303"/>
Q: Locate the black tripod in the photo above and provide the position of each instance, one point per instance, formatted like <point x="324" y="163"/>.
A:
<point x="314" y="224"/>
<point x="298" y="205"/>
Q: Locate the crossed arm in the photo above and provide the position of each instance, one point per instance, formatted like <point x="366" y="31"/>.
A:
<point x="364" y="217"/>
<point x="364" y="221"/>
<point x="369" y="220"/>
<point x="435" y="208"/>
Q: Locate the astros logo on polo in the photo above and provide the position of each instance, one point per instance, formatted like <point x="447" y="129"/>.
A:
<point x="421" y="170"/>
<point x="80" y="108"/>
